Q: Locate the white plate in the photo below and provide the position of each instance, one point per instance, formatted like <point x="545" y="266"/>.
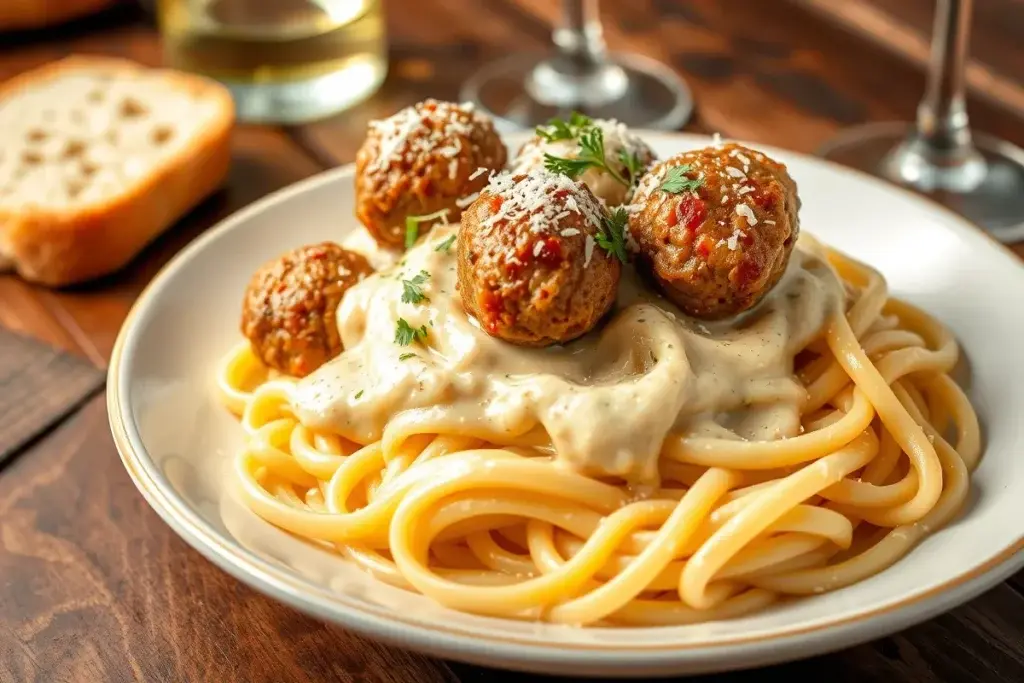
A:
<point x="175" y="439"/>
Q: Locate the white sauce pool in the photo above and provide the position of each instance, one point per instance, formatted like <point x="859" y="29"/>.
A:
<point x="605" y="401"/>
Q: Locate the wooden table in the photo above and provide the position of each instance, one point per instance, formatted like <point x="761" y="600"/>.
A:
<point x="95" y="587"/>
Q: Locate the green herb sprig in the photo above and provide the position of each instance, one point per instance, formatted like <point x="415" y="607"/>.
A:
<point x="590" y="140"/>
<point x="591" y="155"/>
<point x="446" y="246"/>
<point x="412" y="290"/>
<point x="406" y="334"/>
<point x="612" y="237"/>
<point x="676" y="180"/>
<point x="412" y="225"/>
<point x="557" y="129"/>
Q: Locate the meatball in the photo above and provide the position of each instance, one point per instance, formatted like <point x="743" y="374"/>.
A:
<point x="530" y="269"/>
<point x="715" y="228"/>
<point x="288" y="314"/>
<point x="432" y="157"/>
<point x="619" y="142"/>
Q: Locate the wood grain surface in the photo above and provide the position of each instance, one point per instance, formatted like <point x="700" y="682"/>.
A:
<point x="39" y="385"/>
<point x="94" y="587"/>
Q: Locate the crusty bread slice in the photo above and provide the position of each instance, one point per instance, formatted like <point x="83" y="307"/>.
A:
<point x="98" y="156"/>
<point x="27" y="14"/>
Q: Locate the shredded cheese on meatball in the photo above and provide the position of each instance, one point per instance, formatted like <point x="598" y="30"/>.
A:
<point x="530" y="199"/>
<point x="430" y="126"/>
<point x="748" y="213"/>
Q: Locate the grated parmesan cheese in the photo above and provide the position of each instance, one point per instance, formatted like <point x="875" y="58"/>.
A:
<point x="736" y="154"/>
<point x="430" y="127"/>
<point x="463" y="202"/>
<point x="745" y="189"/>
<point x="734" y="239"/>
<point x="530" y="199"/>
<point x="588" y="251"/>
<point x="747" y="212"/>
<point x="569" y="232"/>
<point x="478" y="172"/>
<point x="735" y="172"/>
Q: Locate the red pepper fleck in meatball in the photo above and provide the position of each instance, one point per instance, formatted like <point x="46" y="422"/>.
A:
<point x="430" y="157"/>
<point x="529" y="267"/>
<point x="288" y="314"/>
<point x="715" y="227"/>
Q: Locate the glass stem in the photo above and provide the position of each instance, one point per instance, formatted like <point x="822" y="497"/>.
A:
<point x="579" y="37"/>
<point x="942" y="115"/>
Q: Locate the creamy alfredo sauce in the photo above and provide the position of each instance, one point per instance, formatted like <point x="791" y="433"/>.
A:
<point x="607" y="401"/>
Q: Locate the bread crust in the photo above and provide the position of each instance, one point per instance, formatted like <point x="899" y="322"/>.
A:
<point x="68" y="246"/>
<point x="29" y="14"/>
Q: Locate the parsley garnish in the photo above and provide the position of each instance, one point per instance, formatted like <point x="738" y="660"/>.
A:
<point x="447" y="244"/>
<point x="613" y="238"/>
<point x="591" y="155"/>
<point x="412" y="225"/>
<point x="676" y="180"/>
<point x="634" y="167"/>
<point x="406" y="356"/>
<point x="359" y="394"/>
<point x="406" y="334"/>
<point x="557" y="129"/>
<point x="412" y="291"/>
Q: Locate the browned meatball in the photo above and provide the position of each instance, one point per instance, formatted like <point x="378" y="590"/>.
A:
<point x="425" y="159"/>
<point x="530" y="269"/>
<point x="717" y="248"/>
<point x="288" y="314"/>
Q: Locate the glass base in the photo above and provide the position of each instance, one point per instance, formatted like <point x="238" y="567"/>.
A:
<point x="985" y="184"/>
<point x="297" y="102"/>
<point x="521" y="92"/>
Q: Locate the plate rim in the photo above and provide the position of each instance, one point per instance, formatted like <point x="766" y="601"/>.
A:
<point x="512" y="651"/>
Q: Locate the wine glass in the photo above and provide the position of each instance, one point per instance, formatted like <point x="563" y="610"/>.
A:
<point x="521" y="91"/>
<point x="977" y="175"/>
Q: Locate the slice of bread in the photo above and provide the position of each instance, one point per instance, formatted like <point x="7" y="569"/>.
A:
<point x="98" y="156"/>
<point x="29" y="14"/>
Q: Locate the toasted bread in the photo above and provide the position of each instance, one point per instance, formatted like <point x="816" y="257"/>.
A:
<point x="30" y="14"/>
<point x="98" y="157"/>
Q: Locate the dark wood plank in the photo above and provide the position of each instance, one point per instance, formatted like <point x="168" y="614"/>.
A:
<point x="96" y="587"/>
<point x="905" y="28"/>
<point x="39" y="386"/>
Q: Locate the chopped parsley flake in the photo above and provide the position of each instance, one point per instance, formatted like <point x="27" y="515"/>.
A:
<point x="359" y="394"/>
<point x="412" y="290"/>
<point x="406" y="356"/>
<point x="412" y="225"/>
<point x="676" y="181"/>
<point x="406" y="334"/>
<point x="446" y="246"/>
<point x="612" y="237"/>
